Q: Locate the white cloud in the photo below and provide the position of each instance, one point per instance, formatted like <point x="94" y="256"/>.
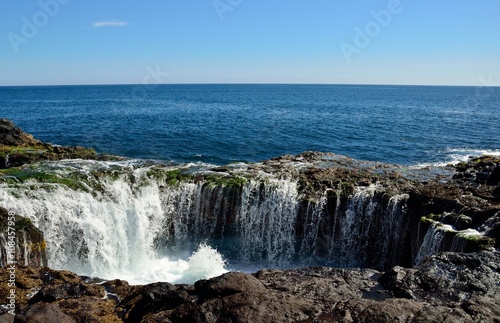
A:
<point x="112" y="23"/>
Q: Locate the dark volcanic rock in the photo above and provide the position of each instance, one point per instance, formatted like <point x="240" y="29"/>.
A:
<point x="10" y="135"/>
<point x="485" y="171"/>
<point x="448" y="287"/>
<point x="51" y="294"/>
<point x="466" y="283"/>
<point x="152" y="298"/>
<point x="43" y="313"/>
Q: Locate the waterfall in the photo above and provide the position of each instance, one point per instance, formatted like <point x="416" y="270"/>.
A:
<point x="314" y="244"/>
<point x="372" y="229"/>
<point x="460" y="239"/>
<point x="265" y="222"/>
<point x="432" y="241"/>
<point x="111" y="233"/>
<point x="144" y="228"/>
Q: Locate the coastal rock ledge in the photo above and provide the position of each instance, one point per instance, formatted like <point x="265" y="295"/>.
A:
<point x="18" y="148"/>
<point x="456" y="208"/>
<point x="449" y="287"/>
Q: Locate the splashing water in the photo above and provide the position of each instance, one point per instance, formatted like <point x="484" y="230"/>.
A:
<point x="206" y="262"/>
<point x="110" y="234"/>
<point x="432" y="241"/>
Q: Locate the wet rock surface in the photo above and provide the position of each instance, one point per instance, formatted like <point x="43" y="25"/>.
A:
<point x="20" y="240"/>
<point x="448" y="287"/>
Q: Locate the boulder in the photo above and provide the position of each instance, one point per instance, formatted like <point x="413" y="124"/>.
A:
<point x="43" y="313"/>
<point x="10" y="135"/>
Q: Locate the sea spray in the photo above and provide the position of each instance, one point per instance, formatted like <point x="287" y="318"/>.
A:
<point x="206" y="262"/>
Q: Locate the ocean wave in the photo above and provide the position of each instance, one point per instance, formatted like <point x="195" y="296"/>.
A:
<point x="453" y="156"/>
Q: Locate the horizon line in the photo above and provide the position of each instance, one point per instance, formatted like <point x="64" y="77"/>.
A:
<point x="244" y="83"/>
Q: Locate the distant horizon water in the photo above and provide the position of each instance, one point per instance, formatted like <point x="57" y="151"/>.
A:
<point x="223" y="123"/>
<point x="477" y="84"/>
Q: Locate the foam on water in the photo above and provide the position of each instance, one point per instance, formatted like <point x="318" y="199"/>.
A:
<point x="206" y="262"/>
<point x="454" y="156"/>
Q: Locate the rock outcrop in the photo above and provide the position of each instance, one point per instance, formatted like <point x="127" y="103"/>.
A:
<point x="449" y="287"/>
<point x="18" y="148"/>
<point x="10" y="135"/>
<point x="20" y="241"/>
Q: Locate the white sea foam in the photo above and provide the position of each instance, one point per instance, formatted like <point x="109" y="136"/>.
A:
<point x="454" y="156"/>
<point x="204" y="263"/>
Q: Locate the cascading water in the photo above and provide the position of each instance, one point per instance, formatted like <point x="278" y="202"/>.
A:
<point x="460" y="240"/>
<point x="370" y="230"/>
<point x="110" y="233"/>
<point x="142" y="229"/>
<point x="432" y="241"/>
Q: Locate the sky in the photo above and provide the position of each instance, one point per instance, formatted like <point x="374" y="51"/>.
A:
<point x="60" y="42"/>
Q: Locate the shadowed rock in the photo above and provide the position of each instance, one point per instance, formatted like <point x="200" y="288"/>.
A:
<point x="10" y="135"/>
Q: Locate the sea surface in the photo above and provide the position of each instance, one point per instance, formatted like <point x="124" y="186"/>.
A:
<point x="219" y="124"/>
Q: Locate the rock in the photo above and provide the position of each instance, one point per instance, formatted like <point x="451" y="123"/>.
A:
<point x="51" y="294"/>
<point x="10" y="135"/>
<point x="229" y="284"/>
<point x="494" y="177"/>
<point x="7" y="318"/>
<point x="151" y="298"/>
<point x="448" y="287"/>
<point x="493" y="229"/>
<point x="29" y="247"/>
<point x="91" y="309"/>
<point x="43" y="313"/>
<point x="117" y="289"/>
<point x="18" y="148"/>
<point x="400" y="282"/>
<point x="447" y="277"/>
<point x="463" y="222"/>
<point x="481" y="177"/>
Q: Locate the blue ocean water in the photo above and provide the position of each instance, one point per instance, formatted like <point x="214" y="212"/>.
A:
<point x="220" y="124"/>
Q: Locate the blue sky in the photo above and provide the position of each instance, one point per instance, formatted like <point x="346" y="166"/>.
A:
<point x="448" y="42"/>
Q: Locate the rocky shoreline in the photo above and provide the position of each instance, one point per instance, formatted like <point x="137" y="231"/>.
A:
<point x="449" y="286"/>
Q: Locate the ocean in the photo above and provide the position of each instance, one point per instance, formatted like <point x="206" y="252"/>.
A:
<point x="220" y="124"/>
